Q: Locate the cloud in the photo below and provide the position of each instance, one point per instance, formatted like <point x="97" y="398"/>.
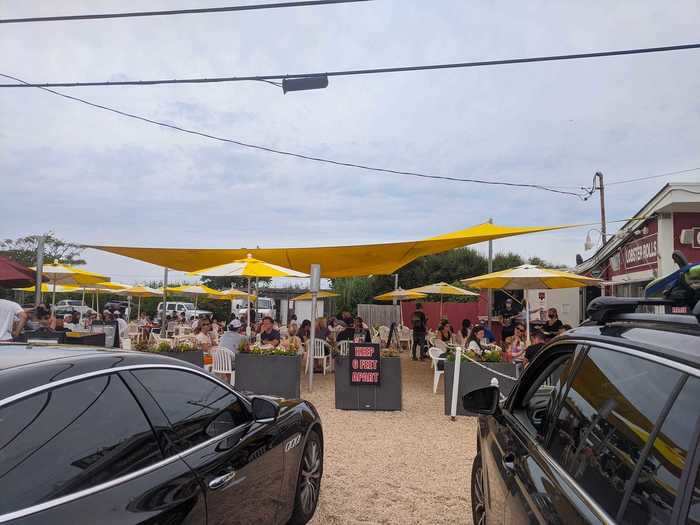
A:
<point x="96" y="177"/>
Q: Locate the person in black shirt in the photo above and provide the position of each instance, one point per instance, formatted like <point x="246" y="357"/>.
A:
<point x="268" y="335"/>
<point x="509" y="311"/>
<point x="419" y="321"/>
<point x="553" y="324"/>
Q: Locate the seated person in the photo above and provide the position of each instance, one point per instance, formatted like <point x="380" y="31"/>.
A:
<point x="360" y="333"/>
<point x="347" y="333"/>
<point x="59" y="324"/>
<point x="268" y="335"/>
<point x="538" y="339"/>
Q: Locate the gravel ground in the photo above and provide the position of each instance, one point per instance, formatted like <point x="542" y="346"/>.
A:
<point x="394" y="467"/>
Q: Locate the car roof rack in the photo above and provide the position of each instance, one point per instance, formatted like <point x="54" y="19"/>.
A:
<point x="604" y="309"/>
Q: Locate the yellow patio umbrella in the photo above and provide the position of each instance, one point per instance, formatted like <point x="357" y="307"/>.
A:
<point x="400" y="295"/>
<point x="529" y="277"/>
<point x="139" y="291"/>
<point x="249" y="267"/>
<point x="47" y="288"/>
<point x="63" y="274"/>
<point x="321" y="295"/>
<point x="443" y="288"/>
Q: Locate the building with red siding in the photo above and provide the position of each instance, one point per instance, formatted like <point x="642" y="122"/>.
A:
<point x="641" y="250"/>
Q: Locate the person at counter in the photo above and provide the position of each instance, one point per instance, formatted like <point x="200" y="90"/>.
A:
<point x="268" y="335"/>
<point x="508" y="313"/>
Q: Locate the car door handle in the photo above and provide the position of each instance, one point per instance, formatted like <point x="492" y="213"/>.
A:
<point x="220" y="481"/>
<point x="508" y="462"/>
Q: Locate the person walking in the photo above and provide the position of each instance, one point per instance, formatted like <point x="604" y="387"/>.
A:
<point x="419" y="321"/>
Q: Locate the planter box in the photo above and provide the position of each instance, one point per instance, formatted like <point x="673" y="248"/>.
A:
<point x="471" y="377"/>
<point x="386" y="396"/>
<point x="272" y="375"/>
<point x="195" y="357"/>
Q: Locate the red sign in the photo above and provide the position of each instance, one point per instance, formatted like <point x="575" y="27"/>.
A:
<point x="364" y="364"/>
<point x="640" y="252"/>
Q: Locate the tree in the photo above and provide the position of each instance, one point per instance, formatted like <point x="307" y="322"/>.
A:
<point x="23" y="250"/>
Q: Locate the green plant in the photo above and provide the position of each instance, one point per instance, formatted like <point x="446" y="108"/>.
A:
<point x="142" y="346"/>
<point x="183" y="347"/>
<point x="492" y="356"/>
<point x="260" y="350"/>
<point x="163" y="346"/>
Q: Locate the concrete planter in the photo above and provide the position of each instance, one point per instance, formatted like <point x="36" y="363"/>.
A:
<point x="471" y="377"/>
<point x="273" y="375"/>
<point x="386" y="396"/>
<point x="195" y="357"/>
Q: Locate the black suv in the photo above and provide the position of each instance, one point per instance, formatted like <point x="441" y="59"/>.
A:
<point x="602" y="427"/>
<point x="95" y="436"/>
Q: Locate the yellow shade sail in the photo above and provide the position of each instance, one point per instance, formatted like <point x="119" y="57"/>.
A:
<point x="48" y="288"/>
<point x="320" y="295"/>
<point x="335" y="261"/>
<point x="108" y="286"/>
<point x="528" y="277"/>
<point x="64" y="274"/>
<point x="442" y="289"/>
<point x="400" y="295"/>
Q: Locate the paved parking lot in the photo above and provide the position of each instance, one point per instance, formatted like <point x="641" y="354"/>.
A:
<point x="403" y="467"/>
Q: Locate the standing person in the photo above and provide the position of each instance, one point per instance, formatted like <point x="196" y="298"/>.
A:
<point x="123" y="326"/>
<point x="12" y="319"/>
<point x="418" y="322"/>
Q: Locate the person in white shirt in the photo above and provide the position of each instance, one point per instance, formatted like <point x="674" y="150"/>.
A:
<point x="123" y="325"/>
<point x="12" y="319"/>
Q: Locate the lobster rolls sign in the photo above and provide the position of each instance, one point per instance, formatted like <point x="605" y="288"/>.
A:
<point x="364" y="364"/>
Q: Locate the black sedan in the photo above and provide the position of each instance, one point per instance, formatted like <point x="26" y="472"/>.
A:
<point x="95" y="436"/>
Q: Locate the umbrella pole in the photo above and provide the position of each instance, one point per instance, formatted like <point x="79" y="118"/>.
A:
<point x="97" y="298"/>
<point x="53" y="298"/>
<point x="247" y="332"/>
<point x="440" y="307"/>
<point x="455" y="383"/>
<point x="527" y="318"/>
<point x="138" y="313"/>
<point x="83" y="298"/>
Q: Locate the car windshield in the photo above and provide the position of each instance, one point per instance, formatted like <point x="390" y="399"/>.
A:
<point x="188" y="306"/>
<point x="264" y="303"/>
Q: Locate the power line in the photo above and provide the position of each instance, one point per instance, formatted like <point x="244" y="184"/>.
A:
<point x="651" y="177"/>
<point x="254" y="7"/>
<point x="353" y="72"/>
<point x="299" y="155"/>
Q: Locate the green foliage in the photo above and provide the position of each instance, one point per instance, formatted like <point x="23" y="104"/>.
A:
<point x="279" y="350"/>
<point x="23" y="250"/>
<point x="450" y="267"/>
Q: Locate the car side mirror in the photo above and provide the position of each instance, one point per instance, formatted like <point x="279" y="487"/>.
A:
<point x="265" y="410"/>
<point x="482" y="401"/>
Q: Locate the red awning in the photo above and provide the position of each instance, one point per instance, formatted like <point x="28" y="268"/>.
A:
<point x="14" y="275"/>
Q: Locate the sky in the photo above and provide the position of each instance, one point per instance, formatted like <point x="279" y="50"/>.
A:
<point x="94" y="177"/>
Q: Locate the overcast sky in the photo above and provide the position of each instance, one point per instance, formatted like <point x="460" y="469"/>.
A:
<point x="95" y="177"/>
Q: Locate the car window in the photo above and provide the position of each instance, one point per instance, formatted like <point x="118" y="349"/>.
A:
<point x="654" y="494"/>
<point x="197" y="408"/>
<point x="171" y="307"/>
<point x="540" y="400"/>
<point x="605" y="418"/>
<point x="694" y="510"/>
<point x="71" y="438"/>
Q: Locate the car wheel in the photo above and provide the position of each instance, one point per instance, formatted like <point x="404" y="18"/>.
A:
<point x="309" y="482"/>
<point x="477" y="492"/>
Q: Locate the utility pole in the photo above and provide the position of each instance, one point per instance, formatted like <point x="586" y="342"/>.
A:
<point x="603" y="226"/>
<point x="490" y="291"/>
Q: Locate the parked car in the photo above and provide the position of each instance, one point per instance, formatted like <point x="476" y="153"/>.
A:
<point x="98" y="436"/>
<point x="69" y="302"/>
<point x="112" y="305"/>
<point x="602" y="427"/>
<point x="176" y="308"/>
<point x="265" y="308"/>
<point x="82" y="310"/>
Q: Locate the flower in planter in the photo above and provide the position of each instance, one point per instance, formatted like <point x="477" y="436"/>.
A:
<point x="163" y="346"/>
<point x="271" y="350"/>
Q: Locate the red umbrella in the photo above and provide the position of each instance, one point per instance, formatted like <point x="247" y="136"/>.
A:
<point x="14" y="275"/>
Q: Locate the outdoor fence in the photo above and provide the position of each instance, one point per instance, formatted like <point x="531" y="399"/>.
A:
<point x="379" y="314"/>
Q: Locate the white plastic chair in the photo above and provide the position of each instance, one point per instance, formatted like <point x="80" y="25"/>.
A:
<point x="406" y="336"/>
<point x="344" y="348"/>
<point x="222" y="362"/>
<point x="384" y="333"/>
<point x="319" y="352"/>
<point x="434" y="354"/>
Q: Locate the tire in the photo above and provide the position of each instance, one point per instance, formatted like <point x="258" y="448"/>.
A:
<point x="477" y="492"/>
<point x="309" y="481"/>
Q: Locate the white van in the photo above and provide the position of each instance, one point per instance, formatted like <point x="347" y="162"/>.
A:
<point x="265" y="307"/>
<point x="174" y="309"/>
